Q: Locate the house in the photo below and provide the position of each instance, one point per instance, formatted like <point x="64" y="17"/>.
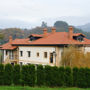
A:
<point x="45" y="49"/>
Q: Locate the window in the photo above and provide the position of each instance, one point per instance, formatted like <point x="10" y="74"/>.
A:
<point x="6" y="52"/>
<point x="80" y="39"/>
<point x="21" y="53"/>
<point x="37" y="54"/>
<point x="45" y="54"/>
<point x="29" y="53"/>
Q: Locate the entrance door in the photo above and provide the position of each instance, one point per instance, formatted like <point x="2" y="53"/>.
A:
<point x="51" y="57"/>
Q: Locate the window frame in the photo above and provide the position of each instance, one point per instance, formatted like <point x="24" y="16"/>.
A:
<point x="38" y="54"/>
<point x="29" y="53"/>
<point x="21" y="53"/>
<point x="45" y="54"/>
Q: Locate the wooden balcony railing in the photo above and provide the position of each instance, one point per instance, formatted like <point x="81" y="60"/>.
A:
<point x="13" y="57"/>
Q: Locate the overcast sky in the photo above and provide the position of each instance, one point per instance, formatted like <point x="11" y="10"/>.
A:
<point x="35" y="11"/>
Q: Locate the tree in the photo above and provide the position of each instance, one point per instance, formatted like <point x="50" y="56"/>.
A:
<point x="44" y="24"/>
<point x="60" y="24"/>
<point x="74" y="57"/>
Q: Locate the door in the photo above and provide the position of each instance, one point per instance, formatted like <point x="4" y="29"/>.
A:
<point x="51" y="57"/>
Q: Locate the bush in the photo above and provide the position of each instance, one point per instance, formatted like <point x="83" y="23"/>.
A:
<point x="75" y="76"/>
<point x="81" y="78"/>
<point x="1" y="74"/>
<point x="87" y="77"/>
<point x="40" y="75"/>
<point x="8" y="74"/>
<point x="54" y="76"/>
<point x="61" y="79"/>
<point x="31" y="75"/>
<point x="68" y="77"/>
<point x="48" y="75"/>
<point x="24" y="75"/>
<point x="16" y="75"/>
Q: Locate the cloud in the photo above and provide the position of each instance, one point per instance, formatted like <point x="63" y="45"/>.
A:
<point x="34" y="10"/>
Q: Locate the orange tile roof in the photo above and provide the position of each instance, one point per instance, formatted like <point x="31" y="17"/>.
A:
<point x="8" y="46"/>
<point x="77" y="34"/>
<point x="57" y="38"/>
<point x="37" y="35"/>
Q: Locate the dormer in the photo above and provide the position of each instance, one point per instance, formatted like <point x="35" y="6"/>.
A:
<point x="33" y="37"/>
<point x="79" y="36"/>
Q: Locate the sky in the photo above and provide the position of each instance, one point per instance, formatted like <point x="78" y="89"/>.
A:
<point x="30" y="13"/>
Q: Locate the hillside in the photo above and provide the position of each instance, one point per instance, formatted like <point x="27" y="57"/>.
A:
<point x="19" y="33"/>
<point x="85" y="27"/>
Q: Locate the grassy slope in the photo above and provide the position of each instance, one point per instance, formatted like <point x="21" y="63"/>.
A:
<point x="30" y="88"/>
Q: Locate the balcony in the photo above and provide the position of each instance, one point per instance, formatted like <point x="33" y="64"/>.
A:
<point x="13" y="57"/>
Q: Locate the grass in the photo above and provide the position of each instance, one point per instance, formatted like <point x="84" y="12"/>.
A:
<point x="36" y="88"/>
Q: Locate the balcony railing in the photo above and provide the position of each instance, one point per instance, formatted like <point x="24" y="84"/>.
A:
<point x="13" y="57"/>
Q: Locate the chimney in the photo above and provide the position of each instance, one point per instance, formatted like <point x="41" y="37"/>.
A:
<point x="70" y="32"/>
<point x="10" y="39"/>
<point x="45" y="32"/>
<point x="53" y="29"/>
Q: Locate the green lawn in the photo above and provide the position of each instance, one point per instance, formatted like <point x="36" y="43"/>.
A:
<point x="31" y="88"/>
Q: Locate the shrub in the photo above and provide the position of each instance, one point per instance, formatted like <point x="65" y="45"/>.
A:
<point x="8" y="74"/>
<point x="31" y="75"/>
<point x="54" y="76"/>
<point x="1" y="74"/>
<point x="81" y="78"/>
<point x="75" y="76"/>
<point x="24" y="75"/>
<point x="16" y="75"/>
<point x="68" y="77"/>
<point x="87" y="77"/>
<point x="61" y="79"/>
<point x="40" y="75"/>
<point x="48" y="75"/>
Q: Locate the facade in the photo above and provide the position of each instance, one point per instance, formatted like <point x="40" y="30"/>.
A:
<point x="45" y="49"/>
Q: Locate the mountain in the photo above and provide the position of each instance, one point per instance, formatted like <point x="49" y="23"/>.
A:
<point x="85" y="27"/>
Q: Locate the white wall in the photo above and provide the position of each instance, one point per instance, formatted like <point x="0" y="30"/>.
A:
<point x="34" y="59"/>
<point x="87" y="49"/>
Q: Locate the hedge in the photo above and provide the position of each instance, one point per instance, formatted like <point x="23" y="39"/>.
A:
<point x="31" y="75"/>
<point x="50" y="76"/>
<point x="81" y="78"/>
<point x="8" y="74"/>
<point x="40" y="75"/>
<point x="75" y="76"/>
<point x="24" y="75"/>
<point x="68" y="77"/>
<point x="16" y="75"/>
<point x="61" y="79"/>
<point x="1" y="74"/>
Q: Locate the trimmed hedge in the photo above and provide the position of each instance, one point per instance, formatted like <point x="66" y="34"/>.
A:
<point x="24" y="75"/>
<point x="75" y="76"/>
<point x="8" y="74"/>
<point x="31" y="75"/>
<point x="16" y="75"/>
<point x="68" y="77"/>
<point x="87" y="77"/>
<point x="48" y="75"/>
<point x="1" y="74"/>
<point x="61" y="79"/>
<point x="44" y="76"/>
<point x="40" y="75"/>
<point x="81" y="78"/>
